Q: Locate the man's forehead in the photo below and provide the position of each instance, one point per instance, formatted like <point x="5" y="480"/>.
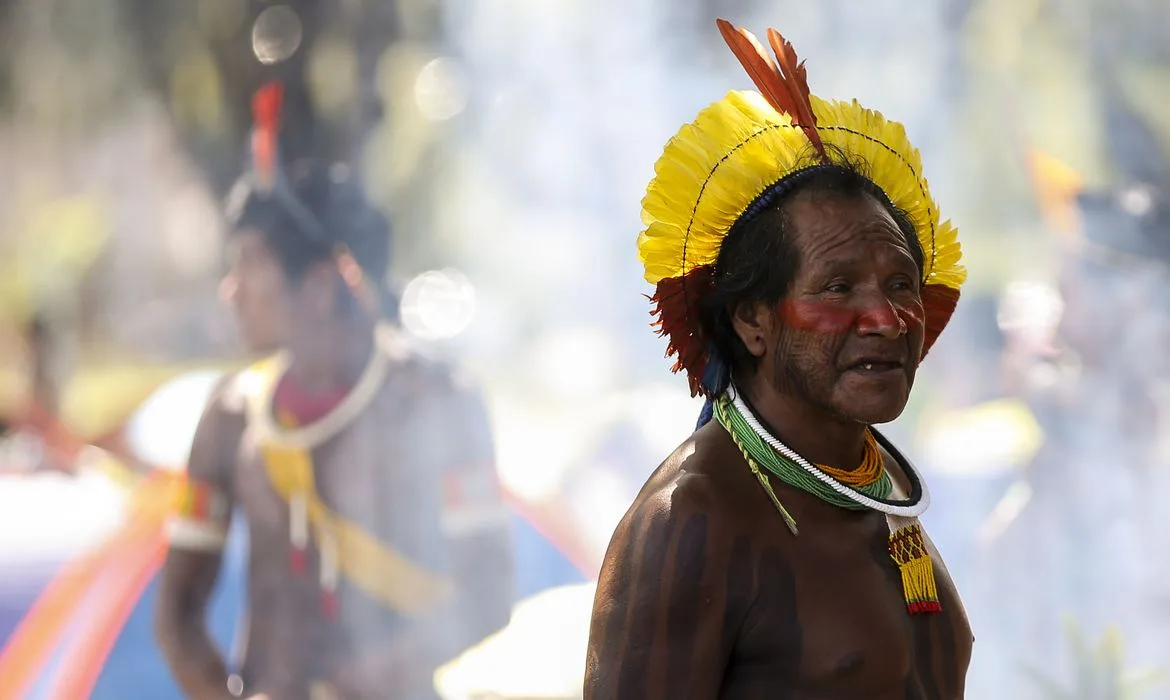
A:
<point x="825" y="221"/>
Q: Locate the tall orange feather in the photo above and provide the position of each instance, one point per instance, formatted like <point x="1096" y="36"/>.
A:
<point x="795" y="77"/>
<point x="784" y="87"/>
<point x="755" y="60"/>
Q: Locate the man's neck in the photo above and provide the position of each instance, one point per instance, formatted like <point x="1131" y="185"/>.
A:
<point x="332" y="357"/>
<point x="819" y="436"/>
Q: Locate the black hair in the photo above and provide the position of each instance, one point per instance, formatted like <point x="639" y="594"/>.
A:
<point x="329" y="213"/>
<point x="759" y="260"/>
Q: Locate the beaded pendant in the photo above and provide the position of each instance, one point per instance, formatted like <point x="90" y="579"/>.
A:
<point x="908" y="550"/>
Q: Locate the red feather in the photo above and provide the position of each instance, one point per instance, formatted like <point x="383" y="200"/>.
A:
<point x="266" y="108"/>
<point x="784" y="87"/>
<point x="795" y="78"/>
<point x="938" y="303"/>
<point x="676" y="306"/>
<point x="756" y="61"/>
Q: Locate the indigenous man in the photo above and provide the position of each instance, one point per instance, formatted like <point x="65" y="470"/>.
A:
<point x="802" y="272"/>
<point x="378" y="544"/>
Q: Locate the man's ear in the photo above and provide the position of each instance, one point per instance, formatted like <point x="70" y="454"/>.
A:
<point x="754" y="323"/>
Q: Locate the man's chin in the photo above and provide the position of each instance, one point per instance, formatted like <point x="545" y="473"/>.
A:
<point x="878" y="416"/>
<point x="872" y="408"/>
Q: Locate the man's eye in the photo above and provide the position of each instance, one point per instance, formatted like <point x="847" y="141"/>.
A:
<point x="837" y="288"/>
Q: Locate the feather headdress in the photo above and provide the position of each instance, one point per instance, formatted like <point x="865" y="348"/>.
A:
<point x="715" y="167"/>
<point x="265" y="176"/>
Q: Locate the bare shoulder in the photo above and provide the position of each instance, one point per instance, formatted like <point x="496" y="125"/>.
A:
<point x="229" y="397"/>
<point x="225" y="414"/>
<point x="420" y="372"/>
<point x="679" y="568"/>
<point x="440" y="406"/>
<point x="219" y="431"/>
<point x="692" y="489"/>
<point x="698" y="477"/>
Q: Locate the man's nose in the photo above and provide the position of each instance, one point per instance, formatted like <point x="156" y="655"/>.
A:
<point x="879" y="317"/>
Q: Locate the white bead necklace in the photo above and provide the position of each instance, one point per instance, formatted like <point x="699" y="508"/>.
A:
<point x="905" y="509"/>
<point x="312" y="435"/>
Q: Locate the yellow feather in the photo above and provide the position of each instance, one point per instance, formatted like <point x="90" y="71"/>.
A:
<point x="714" y="167"/>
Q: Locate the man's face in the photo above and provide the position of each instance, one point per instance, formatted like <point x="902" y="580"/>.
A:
<point x="847" y="338"/>
<point x="259" y="294"/>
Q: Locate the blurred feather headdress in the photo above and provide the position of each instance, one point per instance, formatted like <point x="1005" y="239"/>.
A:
<point x="265" y="175"/>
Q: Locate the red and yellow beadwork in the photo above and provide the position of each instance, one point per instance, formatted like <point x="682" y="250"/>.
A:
<point x="908" y="550"/>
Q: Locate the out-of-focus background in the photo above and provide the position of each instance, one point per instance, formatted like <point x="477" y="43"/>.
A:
<point x="511" y="142"/>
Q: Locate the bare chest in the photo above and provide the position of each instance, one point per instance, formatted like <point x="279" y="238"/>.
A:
<point x="374" y="474"/>
<point x="830" y="612"/>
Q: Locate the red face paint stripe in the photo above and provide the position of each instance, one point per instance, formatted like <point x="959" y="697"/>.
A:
<point x="816" y="317"/>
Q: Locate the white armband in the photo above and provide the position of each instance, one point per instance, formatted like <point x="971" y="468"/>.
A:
<point x="196" y="535"/>
<point x="201" y="518"/>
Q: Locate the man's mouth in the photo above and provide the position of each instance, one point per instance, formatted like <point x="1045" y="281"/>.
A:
<point x="876" y="366"/>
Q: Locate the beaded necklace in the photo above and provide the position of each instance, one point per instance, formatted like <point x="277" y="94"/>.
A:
<point x="870" y="489"/>
<point x="912" y="507"/>
<point x="788" y="471"/>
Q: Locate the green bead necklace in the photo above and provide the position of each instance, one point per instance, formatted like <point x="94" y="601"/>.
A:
<point x="760" y="455"/>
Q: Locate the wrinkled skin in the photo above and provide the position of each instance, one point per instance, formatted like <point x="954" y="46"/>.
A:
<point x="704" y="592"/>
<point x="855" y="297"/>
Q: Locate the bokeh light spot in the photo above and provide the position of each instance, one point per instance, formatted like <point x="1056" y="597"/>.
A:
<point x="277" y="34"/>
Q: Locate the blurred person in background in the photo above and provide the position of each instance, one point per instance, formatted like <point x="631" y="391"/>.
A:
<point x="46" y="440"/>
<point x="801" y="274"/>
<point x="379" y="545"/>
<point x="1088" y="542"/>
<point x="41" y="416"/>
